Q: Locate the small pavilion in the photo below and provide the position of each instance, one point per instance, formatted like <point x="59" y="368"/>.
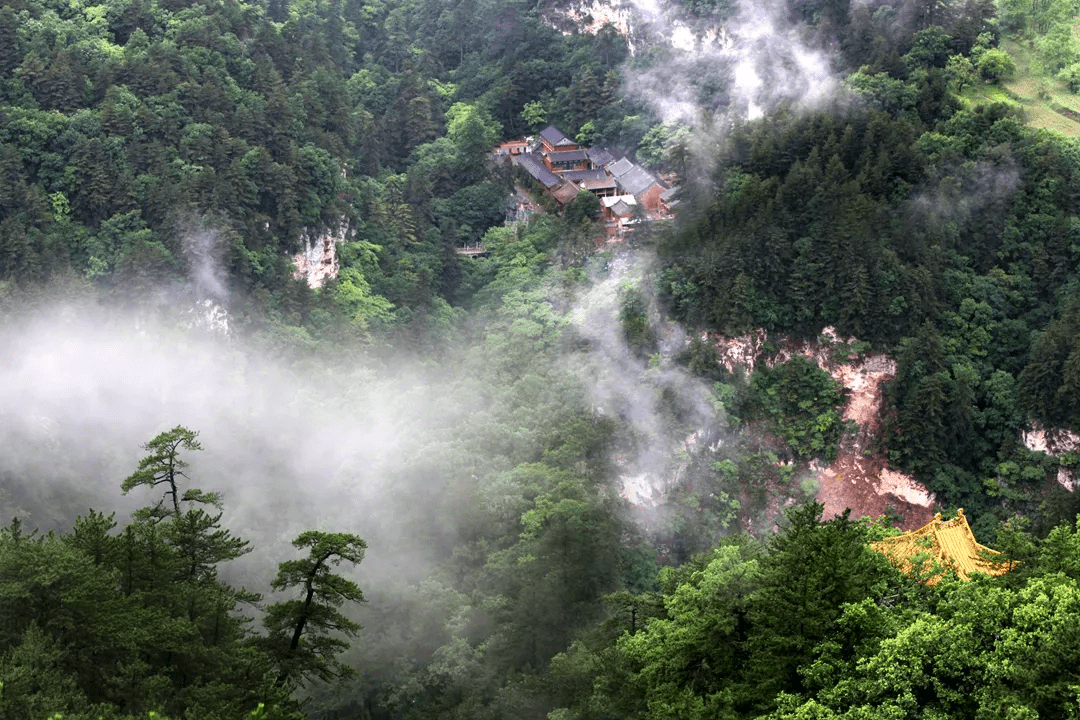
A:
<point x="949" y="544"/>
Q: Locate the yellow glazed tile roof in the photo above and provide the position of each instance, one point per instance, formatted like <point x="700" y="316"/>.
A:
<point x="948" y="543"/>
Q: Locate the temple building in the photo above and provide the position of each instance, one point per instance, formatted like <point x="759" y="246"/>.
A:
<point x="564" y="168"/>
<point x="949" y="544"/>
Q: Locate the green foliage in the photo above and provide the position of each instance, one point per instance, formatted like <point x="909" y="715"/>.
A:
<point x="735" y="628"/>
<point x="1048" y="384"/>
<point x="958" y="408"/>
<point x="817" y="625"/>
<point x="290" y="118"/>
<point x="718" y="9"/>
<point x="826" y="221"/>
<point x="568" y="556"/>
<point x="634" y="317"/>
<point x="961" y="73"/>
<point x="812" y="570"/>
<point x="968" y="659"/>
<point x="277" y="122"/>
<point x="471" y="131"/>
<point x="682" y="664"/>
<point x="357" y="301"/>
<point x="302" y="631"/>
<point x="702" y="359"/>
<point x="1035" y="18"/>
<point x="929" y="48"/>
<point x="801" y="400"/>
<point x="665" y="144"/>
<point x="1070" y="75"/>
<point x="1057" y="552"/>
<point x="889" y="94"/>
<point x="98" y="624"/>
<point x="586" y="135"/>
<point x="995" y="64"/>
<point x="584" y="209"/>
<point x="1058" y="48"/>
<point x="535" y="116"/>
<point x="163" y="466"/>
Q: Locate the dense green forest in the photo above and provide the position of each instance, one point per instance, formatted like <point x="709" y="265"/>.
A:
<point x="432" y="450"/>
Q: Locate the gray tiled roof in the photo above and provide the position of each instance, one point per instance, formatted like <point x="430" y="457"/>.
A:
<point x="600" y="156"/>
<point x="621" y="167"/>
<point x="568" y="156"/>
<point x="579" y="175"/>
<point x="555" y="137"/>
<point x="599" y="183"/>
<point x="637" y="180"/>
<point x="536" y="168"/>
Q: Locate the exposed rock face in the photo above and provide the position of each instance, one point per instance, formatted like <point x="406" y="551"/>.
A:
<point x="1051" y="441"/>
<point x="644" y="23"/>
<point x="1054" y="442"/>
<point x="903" y="487"/>
<point x="859" y="478"/>
<point x="318" y="262"/>
<point x="591" y="15"/>
<point x="641" y="490"/>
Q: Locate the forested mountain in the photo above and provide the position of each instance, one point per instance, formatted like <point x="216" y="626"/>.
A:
<point x="943" y="231"/>
<point x="471" y="428"/>
<point x="129" y="128"/>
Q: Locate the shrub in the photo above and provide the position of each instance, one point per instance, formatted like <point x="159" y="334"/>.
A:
<point x="995" y="64"/>
<point x="1070" y="75"/>
<point x="801" y="402"/>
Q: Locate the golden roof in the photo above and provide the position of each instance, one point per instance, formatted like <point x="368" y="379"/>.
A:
<point x="949" y="544"/>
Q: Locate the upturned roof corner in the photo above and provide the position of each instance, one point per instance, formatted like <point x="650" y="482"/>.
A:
<point x="949" y="544"/>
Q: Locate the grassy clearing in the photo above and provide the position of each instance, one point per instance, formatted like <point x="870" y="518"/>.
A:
<point x="997" y="93"/>
<point x="1039" y="94"/>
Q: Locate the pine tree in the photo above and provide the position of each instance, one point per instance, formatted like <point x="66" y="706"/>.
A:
<point x="1041" y="381"/>
<point x="10" y="51"/>
<point x="169" y="558"/>
<point x="585" y="99"/>
<point x="302" y="632"/>
<point x="812" y="569"/>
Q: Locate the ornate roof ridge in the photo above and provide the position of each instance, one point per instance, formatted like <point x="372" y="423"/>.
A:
<point x="947" y="543"/>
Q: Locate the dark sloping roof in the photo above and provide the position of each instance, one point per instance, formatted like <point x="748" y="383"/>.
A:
<point x="555" y="137"/>
<point x="668" y="194"/>
<point x="621" y="167"/>
<point x="536" y="168"/>
<point x="637" y="180"/>
<point x="568" y="156"/>
<point x="579" y="175"/>
<point x="565" y="193"/>
<point x="600" y="156"/>
<point x="599" y="183"/>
